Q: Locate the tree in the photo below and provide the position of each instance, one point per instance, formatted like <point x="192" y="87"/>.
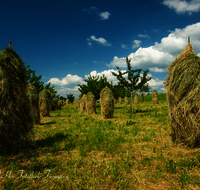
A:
<point x="144" y="88"/>
<point x="132" y="85"/>
<point x="71" y="97"/>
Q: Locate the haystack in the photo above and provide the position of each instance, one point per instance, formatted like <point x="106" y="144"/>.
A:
<point x="54" y="105"/>
<point x="45" y="103"/>
<point x="136" y="98"/>
<point x="16" y="120"/>
<point x="83" y="104"/>
<point x="115" y="101"/>
<point x="120" y="100"/>
<point x="59" y="104"/>
<point x="107" y="103"/>
<point x="155" y="97"/>
<point x="67" y="101"/>
<point x="126" y="101"/>
<point x="34" y="101"/>
<point x="91" y="103"/>
<point x="183" y="89"/>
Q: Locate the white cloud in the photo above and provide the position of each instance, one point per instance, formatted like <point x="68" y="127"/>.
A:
<point x="104" y="15"/>
<point x="183" y="6"/>
<point x="142" y="36"/>
<point x="198" y="54"/>
<point x="124" y="46"/>
<point x="89" y="43"/>
<point x="68" y="80"/>
<point x="155" y="69"/>
<point x="136" y="43"/>
<point x="99" y="40"/>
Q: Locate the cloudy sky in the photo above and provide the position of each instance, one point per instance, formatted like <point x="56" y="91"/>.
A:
<point x="66" y="40"/>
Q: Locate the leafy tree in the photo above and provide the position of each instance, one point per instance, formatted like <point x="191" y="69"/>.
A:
<point x="71" y="97"/>
<point x="144" y="88"/>
<point x="132" y="85"/>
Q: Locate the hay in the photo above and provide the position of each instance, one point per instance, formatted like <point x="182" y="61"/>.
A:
<point x="67" y="101"/>
<point x="90" y="103"/>
<point x="120" y="100"/>
<point x="126" y="101"/>
<point x="34" y="101"/>
<point x="136" y="98"/>
<point x="45" y="103"/>
<point x="59" y="104"/>
<point x="54" y="105"/>
<point x="183" y="89"/>
<point x="107" y="103"/>
<point x="155" y="97"/>
<point x="16" y="120"/>
<point x="83" y="104"/>
<point x="115" y="101"/>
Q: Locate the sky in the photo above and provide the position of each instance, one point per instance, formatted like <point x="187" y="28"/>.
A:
<point x="66" y="40"/>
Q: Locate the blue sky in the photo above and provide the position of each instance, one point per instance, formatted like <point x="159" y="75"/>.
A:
<point x="66" y="40"/>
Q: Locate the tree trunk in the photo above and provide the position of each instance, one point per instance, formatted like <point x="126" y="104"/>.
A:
<point x="131" y="105"/>
<point x="142" y="97"/>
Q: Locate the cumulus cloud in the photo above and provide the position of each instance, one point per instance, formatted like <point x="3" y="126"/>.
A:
<point x="136" y="43"/>
<point x="100" y="40"/>
<point x="68" y="80"/>
<point x="155" y="69"/>
<point x="104" y="15"/>
<point x="143" y="36"/>
<point x="162" y="54"/>
<point x="183" y="6"/>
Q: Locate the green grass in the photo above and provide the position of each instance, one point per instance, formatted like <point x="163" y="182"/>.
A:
<point x="81" y="151"/>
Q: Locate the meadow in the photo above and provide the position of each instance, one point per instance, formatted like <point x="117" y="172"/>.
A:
<point x="80" y="151"/>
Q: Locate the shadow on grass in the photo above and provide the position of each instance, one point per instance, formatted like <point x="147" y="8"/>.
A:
<point x="52" y="122"/>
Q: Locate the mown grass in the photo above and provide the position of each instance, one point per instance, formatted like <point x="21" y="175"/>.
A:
<point x="81" y="151"/>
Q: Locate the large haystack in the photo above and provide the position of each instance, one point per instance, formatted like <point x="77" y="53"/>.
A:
<point x="136" y="98"/>
<point x="45" y="103"/>
<point x="120" y="100"/>
<point x="91" y="103"/>
<point x="126" y="101"/>
<point x="155" y="97"/>
<point x="16" y="120"/>
<point x="183" y="89"/>
<point x="34" y="101"/>
<point x="83" y="104"/>
<point x="107" y="103"/>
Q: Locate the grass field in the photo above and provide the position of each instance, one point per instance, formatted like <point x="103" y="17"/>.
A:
<point x="81" y="151"/>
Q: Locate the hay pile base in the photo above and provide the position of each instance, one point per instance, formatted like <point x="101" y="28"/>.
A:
<point x="83" y="104"/>
<point x="120" y="100"/>
<point x="34" y="101"/>
<point x="91" y="103"/>
<point x="107" y="103"/>
<point x="183" y="90"/>
<point x="136" y="98"/>
<point x="126" y="101"/>
<point x="45" y="103"/>
<point x="54" y="105"/>
<point x="16" y="120"/>
<point x="155" y="97"/>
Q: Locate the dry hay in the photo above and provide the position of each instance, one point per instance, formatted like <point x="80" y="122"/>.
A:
<point x="107" y="103"/>
<point x="83" y="104"/>
<point x="115" y="101"/>
<point x="120" y="100"/>
<point x="155" y="97"/>
<point x="126" y="101"/>
<point x="59" y="104"/>
<point x="16" y="120"/>
<point x="45" y="103"/>
<point x="34" y="101"/>
<point x="77" y="103"/>
<point x="54" y="105"/>
<point x="183" y="89"/>
<point x="136" y="98"/>
<point x="91" y="103"/>
<point x="67" y="101"/>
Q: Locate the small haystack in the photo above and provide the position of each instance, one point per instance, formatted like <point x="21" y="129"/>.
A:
<point x="83" y="104"/>
<point x="34" y="101"/>
<point x="16" y="119"/>
<point x="126" y="101"/>
<point x="91" y="103"/>
<point x="136" y="99"/>
<point x="107" y="103"/>
<point x="67" y="101"/>
<point x="183" y="89"/>
<point x="45" y="103"/>
<point x="120" y="100"/>
<point x="155" y="97"/>
<point x="54" y="105"/>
